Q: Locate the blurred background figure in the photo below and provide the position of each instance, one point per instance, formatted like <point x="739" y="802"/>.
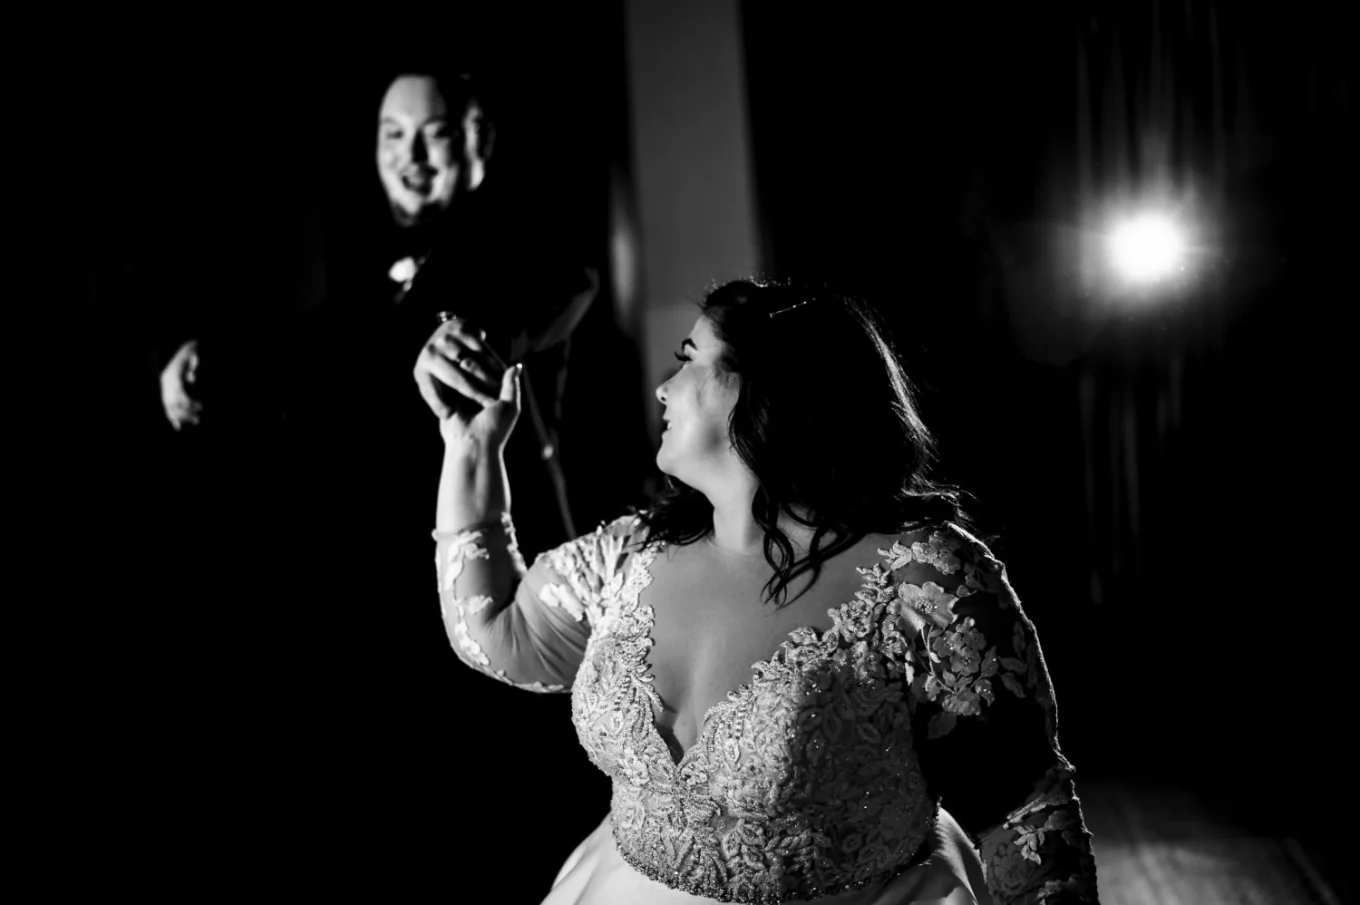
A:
<point x="275" y="494"/>
<point x="448" y="247"/>
<point x="446" y="243"/>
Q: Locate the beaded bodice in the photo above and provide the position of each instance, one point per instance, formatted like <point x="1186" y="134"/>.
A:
<point x="810" y="779"/>
<point x="803" y="783"/>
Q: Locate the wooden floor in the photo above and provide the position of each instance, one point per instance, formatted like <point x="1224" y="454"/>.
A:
<point x="1159" y="845"/>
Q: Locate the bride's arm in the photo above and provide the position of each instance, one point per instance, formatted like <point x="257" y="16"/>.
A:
<point x="987" y="719"/>
<point x="525" y="627"/>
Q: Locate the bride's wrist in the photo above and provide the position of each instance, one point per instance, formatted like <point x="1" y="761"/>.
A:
<point x="470" y="459"/>
<point x="472" y="487"/>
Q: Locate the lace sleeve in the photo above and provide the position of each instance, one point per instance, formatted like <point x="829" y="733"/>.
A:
<point x="527" y="628"/>
<point x="987" y="721"/>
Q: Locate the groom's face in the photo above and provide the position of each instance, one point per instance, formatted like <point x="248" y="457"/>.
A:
<point x="421" y="154"/>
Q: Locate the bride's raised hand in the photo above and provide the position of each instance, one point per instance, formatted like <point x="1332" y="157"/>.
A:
<point x="466" y="384"/>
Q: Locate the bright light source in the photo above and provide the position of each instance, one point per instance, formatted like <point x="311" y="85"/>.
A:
<point x="1147" y="248"/>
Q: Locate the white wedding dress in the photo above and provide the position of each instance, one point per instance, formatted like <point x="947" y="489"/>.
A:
<point x="822" y="778"/>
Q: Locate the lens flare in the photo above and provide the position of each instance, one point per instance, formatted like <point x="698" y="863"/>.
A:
<point x="1147" y="248"/>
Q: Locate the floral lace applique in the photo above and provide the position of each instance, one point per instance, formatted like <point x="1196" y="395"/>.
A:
<point x="591" y="572"/>
<point x="458" y="549"/>
<point x="941" y="550"/>
<point x="802" y="783"/>
<point x="806" y="781"/>
<point x="1041" y="852"/>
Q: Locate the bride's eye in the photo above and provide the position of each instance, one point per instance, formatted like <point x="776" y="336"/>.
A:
<point x="679" y="357"/>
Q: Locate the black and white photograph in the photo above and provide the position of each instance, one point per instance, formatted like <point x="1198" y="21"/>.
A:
<point x="643" y="453"/>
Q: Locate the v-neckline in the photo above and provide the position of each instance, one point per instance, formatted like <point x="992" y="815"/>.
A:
<point x="647" y="618"/>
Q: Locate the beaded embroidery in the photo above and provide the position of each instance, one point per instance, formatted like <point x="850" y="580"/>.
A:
<point x="802" y="783"/>
<point x="805" y="782"/>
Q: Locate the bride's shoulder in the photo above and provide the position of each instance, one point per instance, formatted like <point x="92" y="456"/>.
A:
<point x="596" y="565"/>
<point x="935" y="539"/>
<point x="630" y="528"/>
<point x="944" y="552"/>
<point x="607" y="547"/>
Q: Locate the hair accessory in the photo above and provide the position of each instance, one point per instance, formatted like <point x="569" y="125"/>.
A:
<point x="790" y="308"/>
<point x="445" y="316"/>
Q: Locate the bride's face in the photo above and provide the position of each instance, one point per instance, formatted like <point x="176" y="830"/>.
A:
<point x="696" y="447"/>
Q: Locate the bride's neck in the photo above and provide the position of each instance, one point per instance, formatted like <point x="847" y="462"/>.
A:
<point x="736" y="531"/>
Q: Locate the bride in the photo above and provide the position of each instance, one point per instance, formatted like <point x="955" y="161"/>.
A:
<point x="805" y="678"/>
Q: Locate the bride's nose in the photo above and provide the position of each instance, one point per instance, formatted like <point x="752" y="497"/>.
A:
<point x="661" y="393"/>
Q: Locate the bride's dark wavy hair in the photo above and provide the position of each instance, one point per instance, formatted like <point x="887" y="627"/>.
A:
<point x="826" y="421"/>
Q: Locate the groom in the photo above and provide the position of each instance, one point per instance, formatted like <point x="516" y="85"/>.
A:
<point x="362" y="447"/>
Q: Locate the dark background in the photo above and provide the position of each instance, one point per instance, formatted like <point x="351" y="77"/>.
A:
<point x="1166" y="480"/>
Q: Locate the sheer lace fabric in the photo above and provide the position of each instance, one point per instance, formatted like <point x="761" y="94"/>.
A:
<point x="813" y="779"/>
